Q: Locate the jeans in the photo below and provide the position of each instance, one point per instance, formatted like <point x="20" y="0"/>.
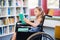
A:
<point x="34" y="29"/>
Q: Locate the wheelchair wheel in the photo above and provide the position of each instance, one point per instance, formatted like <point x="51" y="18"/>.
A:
<point x="40" y="36"/>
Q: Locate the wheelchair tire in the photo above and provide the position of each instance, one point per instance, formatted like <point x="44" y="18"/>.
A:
<point x="36" y="35"/>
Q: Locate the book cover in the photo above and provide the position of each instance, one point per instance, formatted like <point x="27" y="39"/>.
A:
<point x="21" y="18"/>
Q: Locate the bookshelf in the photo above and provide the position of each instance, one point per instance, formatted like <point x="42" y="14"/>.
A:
<point x="9" y="15"/>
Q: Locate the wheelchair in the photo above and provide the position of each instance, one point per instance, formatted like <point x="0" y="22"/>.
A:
<point x="25" y="35"/>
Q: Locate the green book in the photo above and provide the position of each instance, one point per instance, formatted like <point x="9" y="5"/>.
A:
<point x="21" y="18"/>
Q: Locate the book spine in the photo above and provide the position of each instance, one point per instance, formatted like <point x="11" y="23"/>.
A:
<point x="0" y="31"/>
<point x="8" y="11"/>
<point x="5" y="30"/>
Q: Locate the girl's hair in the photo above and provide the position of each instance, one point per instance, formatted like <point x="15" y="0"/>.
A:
<point x="40" y="9"/>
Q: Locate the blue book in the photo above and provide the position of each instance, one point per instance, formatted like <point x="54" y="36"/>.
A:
<point x="10" y="28"/>
<point x="8" y="11"/>
<point x="16" y="4"/>
<point x="0" y="30"/>
<point x="4" y="29"/>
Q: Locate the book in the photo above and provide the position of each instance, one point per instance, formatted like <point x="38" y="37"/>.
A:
<point x="10" y="2"/>
<point x="0" y="30"/>
<point x="11" y="20"/>
<point x="21" y="18"/>
<point x="4" y="21"/>
<point x="17" y="10"/>
<point x="24" y="9"/>
<point x="5" y="30"/>
<point x="18" y="3"/>
<point x="8" y="11"/>
<point x="11" y="28"/>
<point x="0" y="2"/>
<point x="1" y="22"/>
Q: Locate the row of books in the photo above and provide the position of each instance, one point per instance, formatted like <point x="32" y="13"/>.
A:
<point x="7" y="21"/>
<point x="19" y="2"/>
<point x="4" y="30"/>
<point x="10" y="2"/>
<point x="10" y="11"/>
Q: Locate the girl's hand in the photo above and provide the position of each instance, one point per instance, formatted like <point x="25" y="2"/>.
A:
<point x="26" y="20"/>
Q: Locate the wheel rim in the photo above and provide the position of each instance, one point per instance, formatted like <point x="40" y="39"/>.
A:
<point x="40" y="36"/>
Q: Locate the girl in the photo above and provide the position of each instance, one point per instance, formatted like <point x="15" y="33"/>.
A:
<point x="39" y="18"/>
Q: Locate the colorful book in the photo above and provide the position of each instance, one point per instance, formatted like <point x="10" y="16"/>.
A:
<point x="21" y="18"/>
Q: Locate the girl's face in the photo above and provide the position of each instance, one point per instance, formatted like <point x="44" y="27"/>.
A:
<point x="36" y="12"/>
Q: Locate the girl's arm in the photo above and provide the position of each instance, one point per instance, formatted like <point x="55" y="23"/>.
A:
<point x="32" y="24"/>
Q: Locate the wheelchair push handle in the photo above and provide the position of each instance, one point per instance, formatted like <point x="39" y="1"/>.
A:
<point x="48" y="15"/>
